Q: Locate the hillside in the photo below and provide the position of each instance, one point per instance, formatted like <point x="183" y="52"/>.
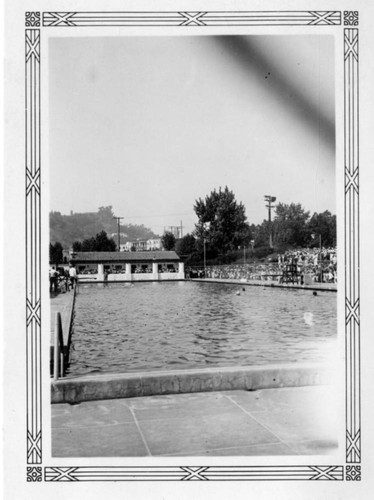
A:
<point x="79" y="226"/>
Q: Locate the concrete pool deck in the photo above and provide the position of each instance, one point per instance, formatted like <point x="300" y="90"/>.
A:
<point x="102" y="386"/>
<point x="269" y="422"/>
<point x="64" y="304"/>
<point x="315" y="287"/>
<point x="236" y="411"/>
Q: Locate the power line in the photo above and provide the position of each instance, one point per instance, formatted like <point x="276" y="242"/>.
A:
<point x="158" y="215"/>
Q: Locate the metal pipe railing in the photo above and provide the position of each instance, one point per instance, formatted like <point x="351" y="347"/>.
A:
<point x="58" y="354"/>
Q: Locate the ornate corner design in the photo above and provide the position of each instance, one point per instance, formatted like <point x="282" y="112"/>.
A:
<point x="32" y="19"/>
<point x="351" y="18"/>
<point x="353" y="473"/>
<point x="34" y="474"/>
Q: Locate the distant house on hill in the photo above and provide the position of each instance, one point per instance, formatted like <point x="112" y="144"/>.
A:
<point x="142" y="245"/>
<point x="128" y="266"/>
<point x="154" y="244"/>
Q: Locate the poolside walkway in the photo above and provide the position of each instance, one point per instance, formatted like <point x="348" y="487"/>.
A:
<point x="64" y="304"/>
<point x="283" y="421"/>
<point x="322" y="287"/>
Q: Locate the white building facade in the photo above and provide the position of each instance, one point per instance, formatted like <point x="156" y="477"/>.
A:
<point x="128" y="266"/>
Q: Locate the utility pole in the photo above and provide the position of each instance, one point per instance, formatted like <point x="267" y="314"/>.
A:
<point x="118" y="230"/>
<point x="270" y="199"/>
<point x="206" y="225"/>
<point x="204" y="256"/>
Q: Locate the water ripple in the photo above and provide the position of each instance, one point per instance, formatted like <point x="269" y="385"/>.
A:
<point x="187" y="325"/>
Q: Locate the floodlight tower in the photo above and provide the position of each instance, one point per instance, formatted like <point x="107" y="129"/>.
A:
<point x="118" y="232"/>
<point x="270" y="199"/>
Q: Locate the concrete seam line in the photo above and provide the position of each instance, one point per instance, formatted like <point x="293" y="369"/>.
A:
<point x="101" y="425"/>
<point x="140" y="432"/>
<point x="223" y="448"/>
<point x="254" y="418"/>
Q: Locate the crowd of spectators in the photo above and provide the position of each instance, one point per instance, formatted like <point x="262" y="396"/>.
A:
<point x="60" y="280"/>
<point x="320" y="265"/>
<point x="139" y="269"/>
<point x="88" y="271"/>
<point x="142" y="269"/>
<point x="167" y="269"/>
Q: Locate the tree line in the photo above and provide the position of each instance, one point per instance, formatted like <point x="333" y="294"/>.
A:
<point x="223" y="231"/>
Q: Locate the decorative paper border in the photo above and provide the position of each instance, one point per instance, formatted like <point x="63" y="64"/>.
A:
<point x="215" y="473"/>
<point x="286" y="18"/>
<point x="33" y="245"/>
<point x="33" y="21"/>
<point x="352" y="264"/>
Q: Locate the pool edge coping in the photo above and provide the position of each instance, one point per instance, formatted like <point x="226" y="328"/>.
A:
<point x="138" y="384"/>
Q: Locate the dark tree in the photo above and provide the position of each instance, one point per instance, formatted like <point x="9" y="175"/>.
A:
<point x="77" y="246"/>
<point x="323" y="224"/>
<point x="103" y="243"/>
<point x="186" y="245"/>
<point x="260" y="234"/>
<point x="89" y="245"/>
<point x="99" y="243"/>
<point x="56" y="253"/>
<point x="168" y="241"/>
<point x="290" y="225"/>
<point x="222" y="222"/>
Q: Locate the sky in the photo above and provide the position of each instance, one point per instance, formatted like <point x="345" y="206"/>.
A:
<point x="151" y="124"/>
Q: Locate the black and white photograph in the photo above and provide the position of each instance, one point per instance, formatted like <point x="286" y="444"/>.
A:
<point x="196" y="311"/>
<point x="191" y="266"/>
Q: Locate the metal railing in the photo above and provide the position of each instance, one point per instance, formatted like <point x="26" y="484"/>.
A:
<point x="59" y="350"/>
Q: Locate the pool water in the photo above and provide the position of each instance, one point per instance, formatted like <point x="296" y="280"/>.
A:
<point x="155" y="326"/>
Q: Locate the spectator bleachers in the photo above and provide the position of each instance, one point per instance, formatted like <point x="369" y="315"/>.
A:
<point x="318" y="265"/>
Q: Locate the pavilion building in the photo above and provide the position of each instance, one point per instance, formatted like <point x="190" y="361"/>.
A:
<point x="128" y="266"/>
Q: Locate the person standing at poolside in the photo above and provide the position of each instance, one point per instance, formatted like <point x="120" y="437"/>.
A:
<point x="73" y="275"/>
<point x="53" y="280"/>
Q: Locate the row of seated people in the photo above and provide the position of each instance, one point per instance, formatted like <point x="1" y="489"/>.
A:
<point x="321" y="266"/>
<point x="308" y="257"/>
<point x="137" y="270"/>
<point x="320" y="273"/>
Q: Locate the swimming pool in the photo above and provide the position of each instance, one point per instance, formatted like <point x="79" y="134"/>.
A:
<point x="151" y="326"/>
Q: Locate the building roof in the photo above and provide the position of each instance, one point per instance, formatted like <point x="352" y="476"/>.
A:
<point x="164" y="256"/>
